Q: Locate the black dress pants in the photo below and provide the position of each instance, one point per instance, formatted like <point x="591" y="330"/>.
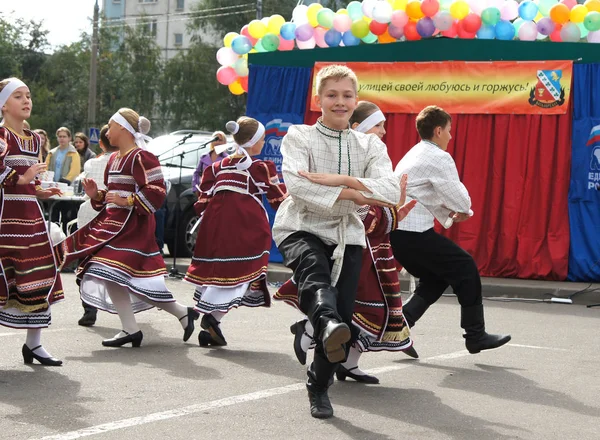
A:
<point x="438" y="262"/>
<point x="310" y="259"/>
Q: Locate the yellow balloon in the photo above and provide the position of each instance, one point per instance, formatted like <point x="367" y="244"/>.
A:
<point x="538" y="17"/>
<point x="228" y="38"/>
<point x="275" y="23"/>
<point x="367" y="19"/>
<point x="459" y="9"/>
<point x="236" y="88"/>
<point x="311" y="14"/>
<point x="342" y="11"/>
<point x="578" y="13"/>
<point x="592" y="5"/>
<point x="257" y="29"/>
<point x="399" y="5"/>
<point x="413" y="10"/>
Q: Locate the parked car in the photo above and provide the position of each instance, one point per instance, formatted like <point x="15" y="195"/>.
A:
<point x="179" y="153"/>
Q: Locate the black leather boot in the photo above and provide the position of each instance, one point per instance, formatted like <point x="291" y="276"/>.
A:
<point x="476" y="338"/>
<point x="414" y="308"/>
<point x="320" y="405"/>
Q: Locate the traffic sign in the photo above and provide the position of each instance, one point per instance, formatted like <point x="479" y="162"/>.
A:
<point x="94" y="135"/>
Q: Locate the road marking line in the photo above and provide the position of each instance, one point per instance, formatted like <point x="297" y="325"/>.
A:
<point x="537" y="347"/>
<point x="221" y="403"/>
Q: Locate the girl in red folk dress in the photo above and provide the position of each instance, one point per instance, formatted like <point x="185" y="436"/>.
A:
<point x="378" y="306"/>
<point x="29" y="281"/>
<point x="234" y="237"/>
<point x="121" y="269"/>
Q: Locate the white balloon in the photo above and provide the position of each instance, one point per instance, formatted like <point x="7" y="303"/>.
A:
<point x="367" y="7"/>
<point x="382" y="12"/>
<point x="299" y="15"/>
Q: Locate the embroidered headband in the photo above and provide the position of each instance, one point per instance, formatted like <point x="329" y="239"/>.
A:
<point x="371" y="121"/>
<point x="140" y="138"/>
<point x="9" y="89"/>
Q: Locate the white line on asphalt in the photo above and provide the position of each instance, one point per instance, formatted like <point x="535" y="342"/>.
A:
<point x="221" y="403"/>
<point x="44" y="330"/>
<point x="537" y="347"/>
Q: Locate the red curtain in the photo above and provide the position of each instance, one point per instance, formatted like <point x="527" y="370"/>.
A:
<point x="517" y="170"/>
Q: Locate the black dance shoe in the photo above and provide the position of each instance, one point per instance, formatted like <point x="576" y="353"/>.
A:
<point x="298" y="329"/>
<point x="88" y="319"/>
<point x="29" y="356"/>
<point x="411" y="352"/>
<point x="205" y="339"/>
<point x="342" y="373"/>
<point x="134" y="338"/>
<point x="334" y="337"/>
<point x="192" y="315"/>
<point x="210" y="323"/>
<point x="320" y="405"/>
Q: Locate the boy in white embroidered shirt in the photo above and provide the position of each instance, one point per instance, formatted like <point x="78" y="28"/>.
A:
<point x="330" y="170"/>
<point x="436" y="260"/>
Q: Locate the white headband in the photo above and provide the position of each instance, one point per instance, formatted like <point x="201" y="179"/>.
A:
<point x="8" y="90"/>
<point x="245" y="163"/>
<point x="371" y="121"/>
<point x="140" y="138"/>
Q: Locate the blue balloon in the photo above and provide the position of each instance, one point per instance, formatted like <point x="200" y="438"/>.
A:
<point x="528" y="10"/>
<point x="333" y="38"/>
<point x="486" y="32"/>
<point x="288" y="31"/>
<point x="241" y="45"/>
<point x="505" y="30"/>
<point x="350" y="40"/>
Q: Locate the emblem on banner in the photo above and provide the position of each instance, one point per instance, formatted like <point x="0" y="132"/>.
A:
<point x="594" y="172"/>
<point x="548" y="92"/>
<point x="275" y="130"/>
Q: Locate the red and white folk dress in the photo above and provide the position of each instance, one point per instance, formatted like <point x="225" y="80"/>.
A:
<point x="29" y="280"/>
<point x="378" y="306"/>
<point x="119" y="245"/>
<point x="231" y="256"/>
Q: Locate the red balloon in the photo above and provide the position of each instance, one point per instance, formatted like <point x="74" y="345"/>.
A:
<point x="285" y="45"/>
<point x="430" y="7"/>
<point x="378" y="28"/>
<point x="410" y="31"/>
<point x="246" y="34"/>
<point x="463" y="33"/>
<point x="555" y="36"/>
<point x="244" y="82"/>
<point x="451" y="33"/>
<point x="471" y="23"/>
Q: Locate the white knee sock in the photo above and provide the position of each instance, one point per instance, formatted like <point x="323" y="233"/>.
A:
<point x="218" y="316"/>
<point x="34" y="339"/>
<point x="174" y="308"/>
<point x="120" y="298"/>
<point x="352" y="361"/>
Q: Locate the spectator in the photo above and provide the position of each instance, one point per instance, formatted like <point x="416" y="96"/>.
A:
<point x="82" y="145"/>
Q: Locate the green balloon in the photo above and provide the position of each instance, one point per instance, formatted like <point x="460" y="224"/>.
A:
<point x="360" y="28"/>
<point x="490" y="16"/>
<point x="270" y="42"/>
<point x="325" y="18"/>
<point x="545" y="6"/>
<point x="259" y="46"/>
<point x="370" y="38"/>
<point x="592" y="21"/>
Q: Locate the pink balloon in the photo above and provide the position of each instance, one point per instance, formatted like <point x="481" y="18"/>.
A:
<point x="308" y="44"/>
<point x="477" y="6"/>
<point x="285" y="45"/>
<point x="452" y="31"/>
<point x="320" y="36"/>
<point x="226" y="75"/>
<point x="528" y="31"/>
<point x="342" y="22"/>
<point x="594" y="37"/>
<point x="226" y="56"/>
<point x="569" y="3"/>
<point x="510" y="10"/>
<point x="399" y="19"/>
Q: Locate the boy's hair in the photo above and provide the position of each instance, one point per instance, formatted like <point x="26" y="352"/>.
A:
<point x="429" y="118"/>
<point x="335" y="72"/>
<point x="363" y="110"/>
<point x="65" y="130"/>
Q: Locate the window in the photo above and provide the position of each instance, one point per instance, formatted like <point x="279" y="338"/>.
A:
<point x="149" y="27"/>
<point x="178" y="39"/>
<point x="116" y="2"/>
<point x="180" y="5"/>
<point x="147" y="1"/>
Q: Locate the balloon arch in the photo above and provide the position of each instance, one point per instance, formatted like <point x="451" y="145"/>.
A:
<point x="388" y="21"/>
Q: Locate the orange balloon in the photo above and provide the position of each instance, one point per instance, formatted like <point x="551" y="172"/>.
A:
<point x="386" y="38"/>
<point x="413" y="10"/>
<point x="560" y="13"/>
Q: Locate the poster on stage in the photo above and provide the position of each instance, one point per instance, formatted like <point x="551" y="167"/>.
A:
<point x="459" y="87"/>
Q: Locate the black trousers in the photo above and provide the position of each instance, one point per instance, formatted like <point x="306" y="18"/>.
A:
<point x="438" y="262"/>
<point x="310" y="259"/>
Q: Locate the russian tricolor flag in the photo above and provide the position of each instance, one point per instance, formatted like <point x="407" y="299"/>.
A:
<point x="594" y="136"/>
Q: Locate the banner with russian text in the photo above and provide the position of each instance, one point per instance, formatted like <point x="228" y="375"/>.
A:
<point x="502" y="87"/>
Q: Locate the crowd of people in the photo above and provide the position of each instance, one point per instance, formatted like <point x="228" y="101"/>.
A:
<point x="345" y="218"/>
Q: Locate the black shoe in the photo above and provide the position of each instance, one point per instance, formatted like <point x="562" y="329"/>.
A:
<point x="192" y="315"/>
<point x="334" y="338"/>
<point x="204" y="339"/>
<point x="210" y="323"/>
<point x="485" y="342"/>
<point x="29" y="356"/>
<point x="320" y="406"/>
<point x="88" y="319"/>
<point x="411" y="352"/>
<point x="298" y="329"/>
<point x="134" y="338"/>
<point x="342" y="373"/>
